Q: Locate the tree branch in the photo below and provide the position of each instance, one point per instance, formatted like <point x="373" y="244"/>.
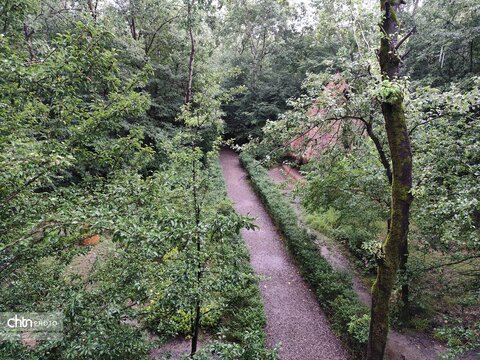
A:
<point x="402" y="40"/>
<point x="15" y="193"/>
<point x="378" y="145"/>
<point x="148" y="47"/>
<point x="452" y="263"/>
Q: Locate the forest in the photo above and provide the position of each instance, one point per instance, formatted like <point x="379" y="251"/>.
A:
<point x="239" y="179"/>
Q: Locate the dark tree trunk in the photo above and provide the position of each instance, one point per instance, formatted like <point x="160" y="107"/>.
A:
<point x="395" y="245"/>
<point x="195" y="329"/>
<point x="133" y="28"/>
<point x="188" y="91"/>
<point x="381" y="153"/>
<point x="92" y="7"/>
<point x="471" y="56"/>
<point x="196" y="207"/>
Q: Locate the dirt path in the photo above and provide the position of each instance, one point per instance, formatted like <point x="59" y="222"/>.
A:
<point x="400" y="346"/>
<point x="288" y="177"/>
<point x="294" y="317"/>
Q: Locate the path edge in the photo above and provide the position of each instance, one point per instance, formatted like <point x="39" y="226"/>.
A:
<point x="333" y="289"/>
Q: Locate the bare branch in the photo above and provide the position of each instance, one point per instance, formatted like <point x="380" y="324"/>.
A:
<point x="378" y="145"/>
<point x="402" y="40"/>
<point x="452" y="263"/>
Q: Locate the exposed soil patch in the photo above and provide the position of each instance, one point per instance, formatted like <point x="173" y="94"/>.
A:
<point x="294" y="317"/>
<point x="176" y="348"/>
<point x="82" y="265"/>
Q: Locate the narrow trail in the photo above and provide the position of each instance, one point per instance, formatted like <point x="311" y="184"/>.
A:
<point x="294" y="317"/>
<point x="400" y="346"/>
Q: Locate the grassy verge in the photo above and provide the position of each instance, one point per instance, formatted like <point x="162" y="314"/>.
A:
<point x="333" y="289"/>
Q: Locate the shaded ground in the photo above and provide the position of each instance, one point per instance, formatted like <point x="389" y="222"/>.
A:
<point x="294" y="317"/>
<point x="400" y="346"/>
<point x="82" y="265"/>
<point x="176" y="348"/>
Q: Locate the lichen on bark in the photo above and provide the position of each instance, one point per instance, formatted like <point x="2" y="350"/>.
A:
<point x="394" y="248"/>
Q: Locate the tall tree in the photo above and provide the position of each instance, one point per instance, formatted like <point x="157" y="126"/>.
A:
<point x="191" y="59"/>
<point x="394" y="248"/>
<point x="268" y="43"/>
<point x="446" y="48"/>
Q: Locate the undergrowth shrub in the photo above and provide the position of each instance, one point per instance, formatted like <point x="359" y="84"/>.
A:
<point x="324" y="220"/>
<point x="233" y="316"/>
<point x="345" y="201"/>
<point x="460" y="338"/>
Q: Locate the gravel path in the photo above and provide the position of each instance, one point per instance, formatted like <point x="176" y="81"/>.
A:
<point x="294" y="317"/>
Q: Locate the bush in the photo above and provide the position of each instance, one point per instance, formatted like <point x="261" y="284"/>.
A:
<point x="347" y="200"/>
<point x="332" y="288"/>
<point x="324" y="221"/>
<point x="459" y="338"/>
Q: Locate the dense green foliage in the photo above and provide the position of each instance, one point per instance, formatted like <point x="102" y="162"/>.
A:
<point x="446" y="46"/>
<point x="111" y="116"/>
<point x="348" y="201"/>
<point x="273" y="47"/>
<point x="85" y="158"/>
<point x="347" y="190"/>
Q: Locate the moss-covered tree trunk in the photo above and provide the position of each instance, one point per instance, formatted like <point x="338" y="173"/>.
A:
<point x="395" y="245"/>
<point x="188" y="90"/>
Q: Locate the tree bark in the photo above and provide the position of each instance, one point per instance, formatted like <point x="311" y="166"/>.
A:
<point x="188" y="91"/>
<point x="92" y="7"/>
<point x="195" y="330"/>
<point x="395" y="244"/>
<point x="133" y="27"/>
<point x="378" y="145"/>
<point x="149" y="43"/>
<point x="405" y="289"/>
<point x="196" y="207"/>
